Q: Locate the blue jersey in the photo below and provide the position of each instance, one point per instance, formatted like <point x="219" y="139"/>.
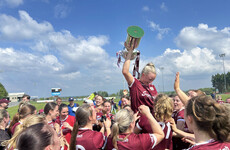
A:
<point x="71" y="112"/>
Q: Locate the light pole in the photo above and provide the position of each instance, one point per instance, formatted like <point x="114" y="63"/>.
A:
<point x="162" y="68"/>
<point x="222" y="56"/>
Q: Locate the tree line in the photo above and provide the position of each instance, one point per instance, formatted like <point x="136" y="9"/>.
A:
<point x="218" y="82"/>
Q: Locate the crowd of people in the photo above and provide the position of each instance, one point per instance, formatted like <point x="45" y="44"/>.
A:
<point x="144" y="120"/>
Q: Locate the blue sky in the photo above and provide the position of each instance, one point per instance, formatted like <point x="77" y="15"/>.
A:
<point x="72" y="44"/>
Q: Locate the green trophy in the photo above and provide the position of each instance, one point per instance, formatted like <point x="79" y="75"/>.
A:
<point x="134" y="36"/>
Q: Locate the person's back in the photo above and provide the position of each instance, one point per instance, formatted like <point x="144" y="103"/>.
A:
<point x="89" y="139"/>
<point x="133" y="141"/>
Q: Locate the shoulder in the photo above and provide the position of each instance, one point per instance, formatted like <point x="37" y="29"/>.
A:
<point x="135" y="82"/>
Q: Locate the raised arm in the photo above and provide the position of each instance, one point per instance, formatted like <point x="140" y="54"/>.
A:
<point x="125" y="70"/>
<point x="156" y="128"/>
<point x="183" y="97"/>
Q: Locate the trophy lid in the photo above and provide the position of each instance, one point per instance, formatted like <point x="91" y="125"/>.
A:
<point x="135" y="31"/>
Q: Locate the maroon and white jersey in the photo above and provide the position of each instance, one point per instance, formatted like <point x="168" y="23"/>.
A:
<point x="142" y="95"/>
<point x="179" y="116"/>
<point x="89" y="139"/>
<point x="178" y="144"/>
<point x="211" y="145"/>
<point x="134" y="141"/>
<point x="51" y="123"/>
<point x="145" y="127"/>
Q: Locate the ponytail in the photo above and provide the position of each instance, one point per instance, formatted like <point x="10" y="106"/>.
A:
<point x="15" y="120"/>
<point x="221" y="125"/>
<point x="82" y="118"/>
<point x="114" y="134"/>
<point x="123" y="119"/>
<point x="209" y="116"/>
<point x="74" y="136"/>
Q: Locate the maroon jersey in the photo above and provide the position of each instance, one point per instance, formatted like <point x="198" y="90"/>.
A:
<point x="134" y="141"/>
<point x="89" y="139"/>
<point x="145" y="127"/>
<point x="179" y="116"/>
<point x="211" y="145"/>
<point x="66" y="132"/>
<point x="142" y="95"/>
<point x="178" y="144"/>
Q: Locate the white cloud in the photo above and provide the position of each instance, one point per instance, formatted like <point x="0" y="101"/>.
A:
<point x="204" y="36"/>
<point x="13" y="60"/>
<point x="145" y="8"/>
<point x="157" y="28"/>
<point x="71" y="76"/>
<point x="24" y="28"/>
<point x="57" y="58"/>
<point x="197" y="59"/>
<point x="164" y="7"/>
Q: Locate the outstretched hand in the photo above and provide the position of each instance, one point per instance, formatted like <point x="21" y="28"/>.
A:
<point x="177" y="81"/>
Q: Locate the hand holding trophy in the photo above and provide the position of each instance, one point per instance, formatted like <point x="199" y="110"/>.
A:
<point x="134" y="36"/>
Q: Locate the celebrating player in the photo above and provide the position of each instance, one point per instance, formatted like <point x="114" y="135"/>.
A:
<point x="142" y="91"/>
<point x="122" y="136"/>
<point x="163" y="110"/>
<point x="83" y="137"/>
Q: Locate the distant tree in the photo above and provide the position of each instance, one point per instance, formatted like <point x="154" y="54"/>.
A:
<point x="218" y="82"/>
<point x="3" y="92"/>
<point x="113" y="95"/>
<point x="208" y="91"/>
<point x="103" y="93"/>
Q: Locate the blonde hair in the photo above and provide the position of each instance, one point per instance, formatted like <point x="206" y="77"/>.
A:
<point x="123" y="119"/>
<point x="163" y="107"/>
<point x="29" y="121"/>
<point x="149" y="68"/>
